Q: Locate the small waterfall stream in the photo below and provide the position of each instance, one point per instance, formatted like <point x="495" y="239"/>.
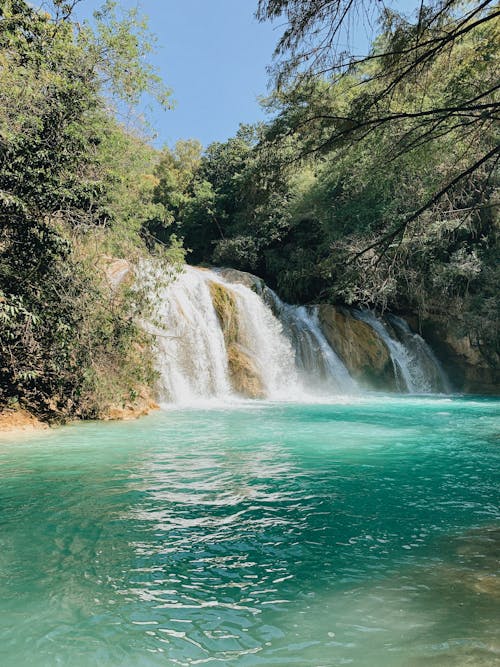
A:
<point x="314" y="357"/>
<point x="216" y="350"/>
<point x="416" y="368"/>
<point x="418" y="349"/>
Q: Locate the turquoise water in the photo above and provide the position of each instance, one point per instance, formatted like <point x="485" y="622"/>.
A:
<point x="361" y="534"/>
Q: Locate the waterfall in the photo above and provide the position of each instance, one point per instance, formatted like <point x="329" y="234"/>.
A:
<point x="416" y="369"/>
<point x="319" y="365"/>
<point x="282" y="345"/>
<point x="419" y="350"/>
<point x="223" y="335"/>
<point x="190" y="350"/>
<point x="261" y="335"/>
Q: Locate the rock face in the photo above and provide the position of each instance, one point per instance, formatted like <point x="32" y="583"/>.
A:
<point x="243" y="373"/>
<point x="117" y="270"/>
<point x="243" y="278"/>
<point x="468" y="369"/>
<point x="365" y="355"/>
<point x="142" y="405"/>
<point x="19" y="420"/>
<point x="244" y="376"/>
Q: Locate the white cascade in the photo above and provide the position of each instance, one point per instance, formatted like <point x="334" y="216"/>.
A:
<point x="285" y="343"/>
<point x="416" y="369"/>
<point x="190" y="351"/>
<point x="419" y="350"/>
<point x="320" y="367"/>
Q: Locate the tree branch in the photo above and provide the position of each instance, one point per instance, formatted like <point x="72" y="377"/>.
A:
<point x="387" y="238"/>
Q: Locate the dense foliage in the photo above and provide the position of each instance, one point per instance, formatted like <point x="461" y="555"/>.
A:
<point x="73" y="185"/>
<point x="328" y="201"/>
<point x="374" y="183"/>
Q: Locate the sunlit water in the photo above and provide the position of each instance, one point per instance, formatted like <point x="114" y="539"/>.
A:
<point x="361" y="534"/>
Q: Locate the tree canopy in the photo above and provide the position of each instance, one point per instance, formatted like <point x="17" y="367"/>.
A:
<point x="451" y="39"/>
<point x="61" y="195"/>
<point x="354" y="193"/>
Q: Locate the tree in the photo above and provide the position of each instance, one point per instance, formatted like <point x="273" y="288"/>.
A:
<point x="174" y="175"/>
<point x="56" y="324"/>
<point x="400" y="61"/>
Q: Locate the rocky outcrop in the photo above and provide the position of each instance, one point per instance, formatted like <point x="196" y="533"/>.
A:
<point x="469" y="370"/>
<point x="244" y="376"/>
<point x="242" y="278"/>
<point x="141" y="405"/>
<point x="117" y="271"/>
<point x="243" y="373"/>
<point x="15" y="420"/>
<point x="365" y="355"/>
<point x="225" y="306"/>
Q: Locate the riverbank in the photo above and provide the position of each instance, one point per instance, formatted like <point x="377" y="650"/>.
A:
<point x="17" y="420"/>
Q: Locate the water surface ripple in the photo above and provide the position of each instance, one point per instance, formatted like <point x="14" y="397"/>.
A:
<point x="364" y="533"/>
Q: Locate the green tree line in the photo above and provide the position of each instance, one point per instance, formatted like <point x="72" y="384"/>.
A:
<point x="75" y="188"/>
<point x="375" y="182"/>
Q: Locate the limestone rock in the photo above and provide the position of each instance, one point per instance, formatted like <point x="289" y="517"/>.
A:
<point x="244" y="375"/>
<point x="225" y="306"/>
<point x="242" y="278"/>
<point x="365" y="355"/>
<point x="243" y="372"/>
<point x="19" y="420"/>
<point x="117" y="270"/>
<point x="142" y="405"/>
<point x="469" y="370"/>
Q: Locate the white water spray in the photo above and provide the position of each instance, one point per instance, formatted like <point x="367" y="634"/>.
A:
<point x="287" y="348"/>
<point x="422" y="353"/>
<point x="190" y="350"/>
<point x="320" y="367"/>
<point x="416" y="369"/>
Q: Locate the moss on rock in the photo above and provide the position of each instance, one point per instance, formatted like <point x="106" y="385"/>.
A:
<point x="365" y="355"/>
<point x="244" y="375"/>
<point x="227" y="311"/>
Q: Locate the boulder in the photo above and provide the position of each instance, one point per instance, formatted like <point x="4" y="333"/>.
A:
<point x="365" y="355"/>
<point x="244" y="375"/>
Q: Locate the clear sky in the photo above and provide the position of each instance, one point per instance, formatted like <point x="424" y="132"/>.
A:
<point x="213" y="54"/>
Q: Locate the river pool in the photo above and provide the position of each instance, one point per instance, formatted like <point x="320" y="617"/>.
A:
<point x="364" y="532"/>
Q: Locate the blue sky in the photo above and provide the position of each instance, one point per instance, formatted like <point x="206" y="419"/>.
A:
<point x="213" y="54"/>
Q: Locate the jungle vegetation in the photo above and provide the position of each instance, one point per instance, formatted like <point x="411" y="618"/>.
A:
<point x="75" y="188"/>
<point x="373" y="183"/>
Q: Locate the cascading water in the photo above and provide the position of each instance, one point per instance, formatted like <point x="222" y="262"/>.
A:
<point x="191" y="355"/>
<point x="269" y="348"/>
<point x="261" y="335"/>
<point x="284" y="343"/>
<point x="419" y="350"/>
<point x="319" y="365"/>
<point x="416" y="369"/>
